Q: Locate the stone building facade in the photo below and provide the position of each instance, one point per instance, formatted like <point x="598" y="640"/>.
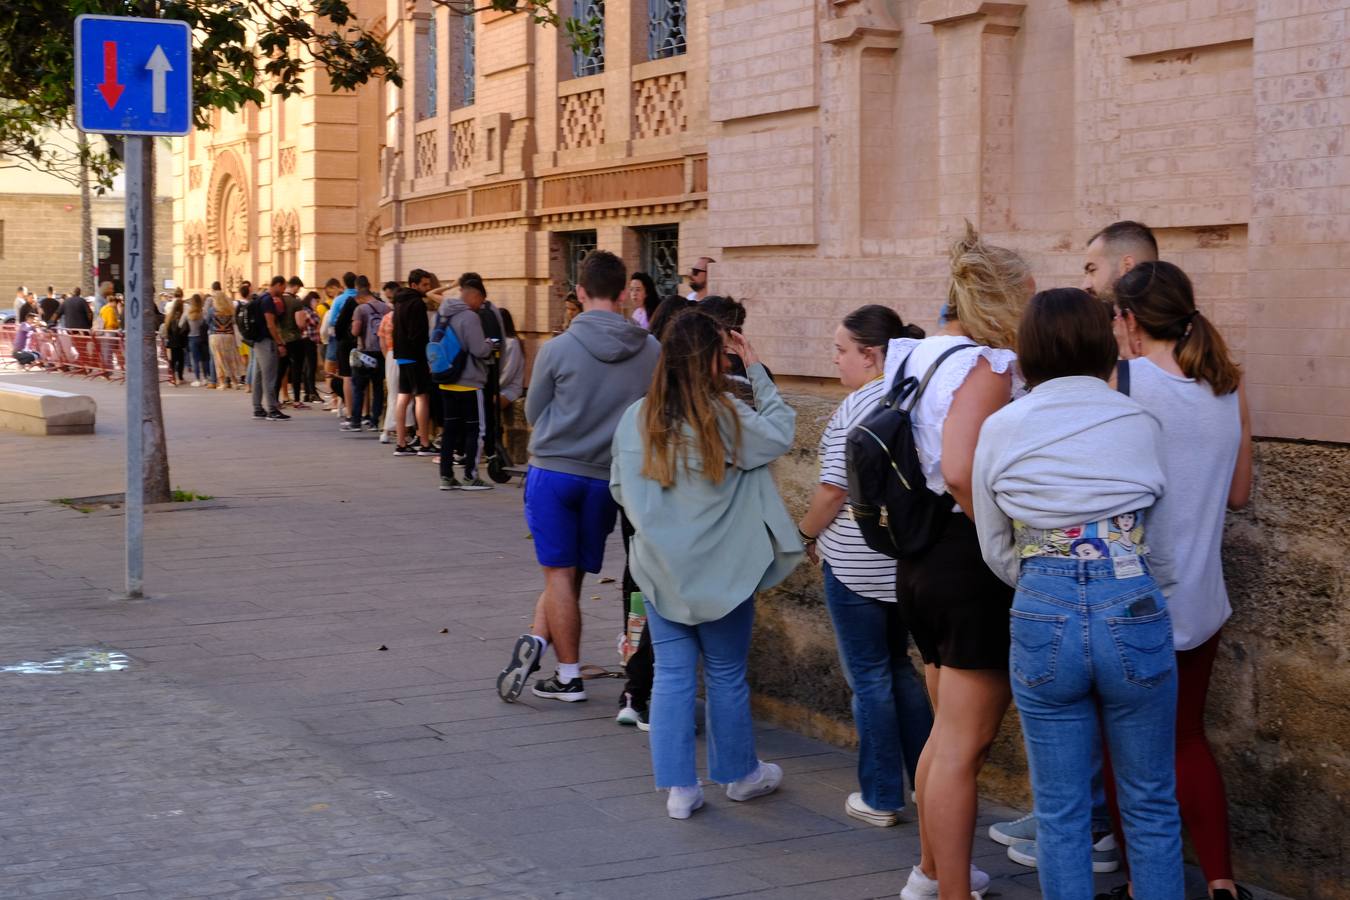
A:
<point x="40" y="240"/>
<point x="825" y="153"/>
<point x="512" y="155"/>
<point x="288" y="188"/>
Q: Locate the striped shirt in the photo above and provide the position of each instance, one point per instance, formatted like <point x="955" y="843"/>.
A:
<point x="841" y="544"/>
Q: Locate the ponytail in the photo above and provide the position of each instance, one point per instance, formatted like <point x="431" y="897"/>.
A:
<point x="876" y="326"/>
<point x="1162" y="301"/>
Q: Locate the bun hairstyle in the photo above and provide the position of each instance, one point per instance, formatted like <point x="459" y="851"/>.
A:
<point x="988" y="290"/>
<point x="1160" y="298"/>
<point x="876" y="326"/>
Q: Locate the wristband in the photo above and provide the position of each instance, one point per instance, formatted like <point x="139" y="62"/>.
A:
<point x="806" y="538"/>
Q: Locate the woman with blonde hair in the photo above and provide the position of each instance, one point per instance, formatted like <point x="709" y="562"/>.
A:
<point x="955" y="607"/>
<point x="224" y="346"/>
<point x="691" y="471"/>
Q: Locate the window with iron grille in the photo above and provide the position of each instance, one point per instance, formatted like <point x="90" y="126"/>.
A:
<point x="426" y="40"/>
<point x="661" y="257"/>
<point x="589" y="60"/>
<point x="468" y="60"/>
<point x="666" y="27"/>
<point x="576" y="244"/>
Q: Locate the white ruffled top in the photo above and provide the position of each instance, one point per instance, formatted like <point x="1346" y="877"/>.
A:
<point x="930" y="414"/>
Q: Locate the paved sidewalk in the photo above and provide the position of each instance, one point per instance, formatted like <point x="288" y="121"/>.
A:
<point x="263" y="743"/>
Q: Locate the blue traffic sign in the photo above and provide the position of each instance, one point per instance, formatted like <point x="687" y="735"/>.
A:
<point x="133" y="76"/>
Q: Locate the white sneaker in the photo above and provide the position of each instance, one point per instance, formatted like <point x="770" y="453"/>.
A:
<point x="764" y="780"/>
<point x="384" y="437"/>
<point x="921" y="887"/>
<point x="858" y="808"/>
<point x="196" y="384"/>
<point x="683" y="801"/>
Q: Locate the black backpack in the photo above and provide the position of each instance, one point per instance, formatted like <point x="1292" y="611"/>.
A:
<point x="249" y="317"/>
<point x="888" y="496"/>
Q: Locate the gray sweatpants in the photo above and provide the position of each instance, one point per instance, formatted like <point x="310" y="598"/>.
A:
<point x="264" y="376"/>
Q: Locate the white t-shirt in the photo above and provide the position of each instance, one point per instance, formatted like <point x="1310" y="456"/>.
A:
<point x="1201" y="436"/>
<point x="931" y="412"/>
<point x="861" y="569"/>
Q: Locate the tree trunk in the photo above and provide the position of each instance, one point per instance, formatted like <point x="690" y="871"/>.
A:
<point x="88" y="240"/>
<point x="155" y="471"/>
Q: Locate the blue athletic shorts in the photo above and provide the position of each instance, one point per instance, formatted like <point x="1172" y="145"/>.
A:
<point x="569" y="517"/>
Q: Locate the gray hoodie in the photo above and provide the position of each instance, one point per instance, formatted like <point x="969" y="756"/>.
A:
<point x="469" y="329"/>
<point x="583" y="380"/>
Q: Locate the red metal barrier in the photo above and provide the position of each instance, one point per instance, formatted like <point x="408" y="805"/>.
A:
<point x="78" y="351"/>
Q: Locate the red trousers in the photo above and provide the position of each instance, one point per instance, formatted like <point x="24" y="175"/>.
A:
<point x="1200" y="791"/>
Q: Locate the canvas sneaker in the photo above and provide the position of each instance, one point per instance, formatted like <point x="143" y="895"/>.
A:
<point x="858" y="808"/>
<point x="476" y="484"/>
<point x="921" y="887"/>
<point x="764" y="780"/>
<point x="628" y="713"/>
<point x="683" y="801"/>
<point x="524" y="663"/>
<point x="1009" y="833"/>
<point x="554" y="688"/>
<point x="450" y="484"/>
<point x="1105" y="854"/>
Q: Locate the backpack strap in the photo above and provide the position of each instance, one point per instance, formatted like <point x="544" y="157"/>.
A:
<point x="928" y="376"/>
<point x="1123" y="376"/>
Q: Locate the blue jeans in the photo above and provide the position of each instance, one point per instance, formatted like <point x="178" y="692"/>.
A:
<point x="724" y="646"/>
<point x="890" y="706"/>
<point x="1091" y="656"/>
<point x="201" y="357"/>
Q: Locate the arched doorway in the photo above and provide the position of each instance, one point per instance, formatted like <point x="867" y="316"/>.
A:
<point x="229" y="225"/>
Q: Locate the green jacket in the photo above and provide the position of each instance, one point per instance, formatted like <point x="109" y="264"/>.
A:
<point x="702" y="549"/>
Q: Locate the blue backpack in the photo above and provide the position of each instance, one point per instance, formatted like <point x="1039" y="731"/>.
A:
<point x="445" y="355"/>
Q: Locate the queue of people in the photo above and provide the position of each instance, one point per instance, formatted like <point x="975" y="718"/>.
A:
<point x="1080" y="447"/>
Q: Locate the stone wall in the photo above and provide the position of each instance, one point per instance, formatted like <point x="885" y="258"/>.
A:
<point x="40" y="240"/>
<point x="1279" y="710"/>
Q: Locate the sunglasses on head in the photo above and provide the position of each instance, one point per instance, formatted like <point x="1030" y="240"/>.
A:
<point x="698" y="271"/>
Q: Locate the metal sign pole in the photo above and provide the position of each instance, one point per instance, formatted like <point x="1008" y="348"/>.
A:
<point x="139" y="294"/>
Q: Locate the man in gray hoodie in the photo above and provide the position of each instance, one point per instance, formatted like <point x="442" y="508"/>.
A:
<point x="462" y="401"/>
<point x="583" y="381"/>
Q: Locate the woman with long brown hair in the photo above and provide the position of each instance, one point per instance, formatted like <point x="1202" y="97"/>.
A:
<point x="690" y="469"/>
<point x="1184" y="375"/>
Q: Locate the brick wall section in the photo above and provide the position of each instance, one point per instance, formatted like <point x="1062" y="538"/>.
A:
<point x="1299" y="327"/>
<point x="765" y="188"/>
<point x="764" y="59"/>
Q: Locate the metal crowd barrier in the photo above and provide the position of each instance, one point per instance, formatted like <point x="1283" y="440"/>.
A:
<point x="77" y="351"/>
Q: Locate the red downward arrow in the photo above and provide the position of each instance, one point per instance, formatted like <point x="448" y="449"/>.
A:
<point x="110" y="89"/>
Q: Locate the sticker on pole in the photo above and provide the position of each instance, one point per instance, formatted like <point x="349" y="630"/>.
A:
<point x="133" y="76"/>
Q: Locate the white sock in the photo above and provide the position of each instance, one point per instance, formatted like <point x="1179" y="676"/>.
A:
<point x="569" y="671"/>
<point x="543" y="644"/>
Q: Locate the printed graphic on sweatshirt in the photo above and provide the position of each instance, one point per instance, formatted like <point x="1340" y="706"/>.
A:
<point x="1121" y="535"/>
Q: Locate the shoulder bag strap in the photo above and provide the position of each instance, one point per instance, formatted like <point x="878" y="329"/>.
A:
<point x="928" y="376"/>
<point x="1123" y="376"/>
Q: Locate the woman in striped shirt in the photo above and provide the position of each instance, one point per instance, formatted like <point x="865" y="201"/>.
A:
<point x="890" y="706"/>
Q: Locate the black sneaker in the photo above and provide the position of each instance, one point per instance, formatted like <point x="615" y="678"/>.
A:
<point x="424" y="450"/>
<point x="524" y="663"/>
<point x="277" y="415"/>
<point x="1119" y="892"/>
<point x="554" y="688"/>
<point x="259" y="415"/>
<point x="1225" y="894"/>
<point x="405" y="450"/>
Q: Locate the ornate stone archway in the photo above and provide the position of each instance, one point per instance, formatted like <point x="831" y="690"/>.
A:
<point x="230" y="234"/>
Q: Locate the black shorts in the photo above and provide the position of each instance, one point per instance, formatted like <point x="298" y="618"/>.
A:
<point x="414" y="377"/>
<point x="344" y="358"/>
<point x="955" y="607"/>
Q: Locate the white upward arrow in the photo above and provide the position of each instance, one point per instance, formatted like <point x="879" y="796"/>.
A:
<point x="158" y="65"/>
